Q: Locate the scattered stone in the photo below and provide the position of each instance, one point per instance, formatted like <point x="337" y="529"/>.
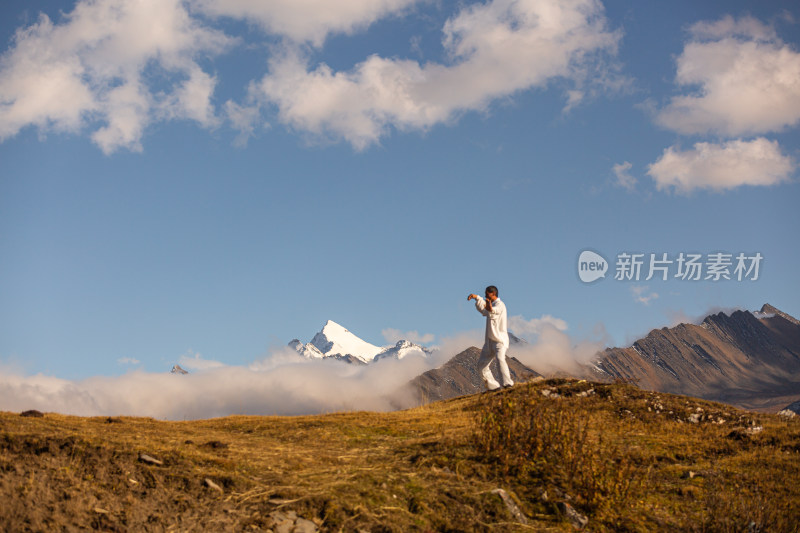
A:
<point x="550" y="393"/>
<point x="149" y="460"/>
<point x="211" y="485"/>
<point x="791" y="410"/>
<point x="100" y="510"/>
<point x="32" y="413"/>
<point x="511" y="506"/>
<point x="577" y="520"/>
<point x="133" y="481"/>
<point x="689" y="474"/>
<point x="694" y="418"/>
<point x="586" y="393"/>
<point x="283" y="527"/>
<point x="443" y="470"/>
<point x="289" y="522"/>
<point x="215" y="445"/>
<point x="755" y="430"/>
<point x="302" y="525"/>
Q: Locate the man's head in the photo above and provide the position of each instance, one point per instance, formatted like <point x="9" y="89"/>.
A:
<point x="491" y="293"/>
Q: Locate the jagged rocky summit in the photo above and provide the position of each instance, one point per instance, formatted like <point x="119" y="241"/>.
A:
<point x="337" y="342"/>
<point x="747" y="359"/>
<point x="176" y="369"/>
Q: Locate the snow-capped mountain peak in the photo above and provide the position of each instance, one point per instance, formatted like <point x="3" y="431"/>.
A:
<point x="176" y="369"/>
<point x="309" y="351"/>
<point x="402" y="349"/>
<point x="336" y="341"/>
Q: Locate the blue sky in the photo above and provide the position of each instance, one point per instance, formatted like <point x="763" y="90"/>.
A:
<point x="214" y="179"/>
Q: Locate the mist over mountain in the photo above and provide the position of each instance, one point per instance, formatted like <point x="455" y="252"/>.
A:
<point x="747" y="359"/>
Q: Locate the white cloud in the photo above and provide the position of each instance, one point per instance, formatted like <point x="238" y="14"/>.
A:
<point x="195" y="361"/>
<point x="305" y="20"/>
<point x="556" y="353"/>
<point x="127" y="108"/>
<point x="496" y="49"/>
<point x="289" y="386"/>
<point x="393" y="335"/>
<point x="113" y="66"/>
<point x="192" y="99"/>
<point x="574" y="97"/>
<point x="244" y="119"/>
<point x="551" y="350"/>
<point x="747" y="79"/>
<point x="116" y="67"/>
<point x="641" y="296"/>
<point x="533" y="327"/>
<point x="128" y="361"/>
<point x="722" y="166"/>
<point x="623" y="175"/>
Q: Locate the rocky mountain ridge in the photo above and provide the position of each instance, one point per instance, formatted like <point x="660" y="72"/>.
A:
<point x="750" y="360"/>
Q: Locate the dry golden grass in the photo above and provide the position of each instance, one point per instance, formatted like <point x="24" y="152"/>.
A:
<point x="626" y="458"/>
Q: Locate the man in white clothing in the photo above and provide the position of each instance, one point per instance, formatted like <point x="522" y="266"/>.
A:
<point x="496" y="342"/>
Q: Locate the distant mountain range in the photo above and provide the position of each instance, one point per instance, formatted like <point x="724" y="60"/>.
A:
<point x="750" y="360"/>
<point x="747" y="359"/>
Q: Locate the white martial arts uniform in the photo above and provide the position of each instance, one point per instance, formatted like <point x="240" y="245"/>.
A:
<point x="495" y="344"/>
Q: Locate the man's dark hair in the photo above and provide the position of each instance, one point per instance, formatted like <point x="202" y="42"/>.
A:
<point x="493" y="290"/>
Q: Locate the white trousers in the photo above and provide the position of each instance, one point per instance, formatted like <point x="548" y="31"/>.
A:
<point x="488" y="353"/>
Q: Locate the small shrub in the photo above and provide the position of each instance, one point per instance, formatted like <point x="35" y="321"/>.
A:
<point x="531" y="438"/>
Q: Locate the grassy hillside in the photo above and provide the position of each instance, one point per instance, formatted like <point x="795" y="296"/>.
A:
<point x="623" y="458"/>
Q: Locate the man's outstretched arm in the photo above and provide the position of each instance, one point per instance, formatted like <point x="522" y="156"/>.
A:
<point x="484" y="306"/>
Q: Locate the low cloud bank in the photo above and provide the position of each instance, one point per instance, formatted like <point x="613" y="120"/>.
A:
<point x="282" y="383"/>
<point x="552" y="351"/>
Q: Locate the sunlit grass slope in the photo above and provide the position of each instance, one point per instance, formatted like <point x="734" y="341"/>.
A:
<point x="563" y="452"/>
